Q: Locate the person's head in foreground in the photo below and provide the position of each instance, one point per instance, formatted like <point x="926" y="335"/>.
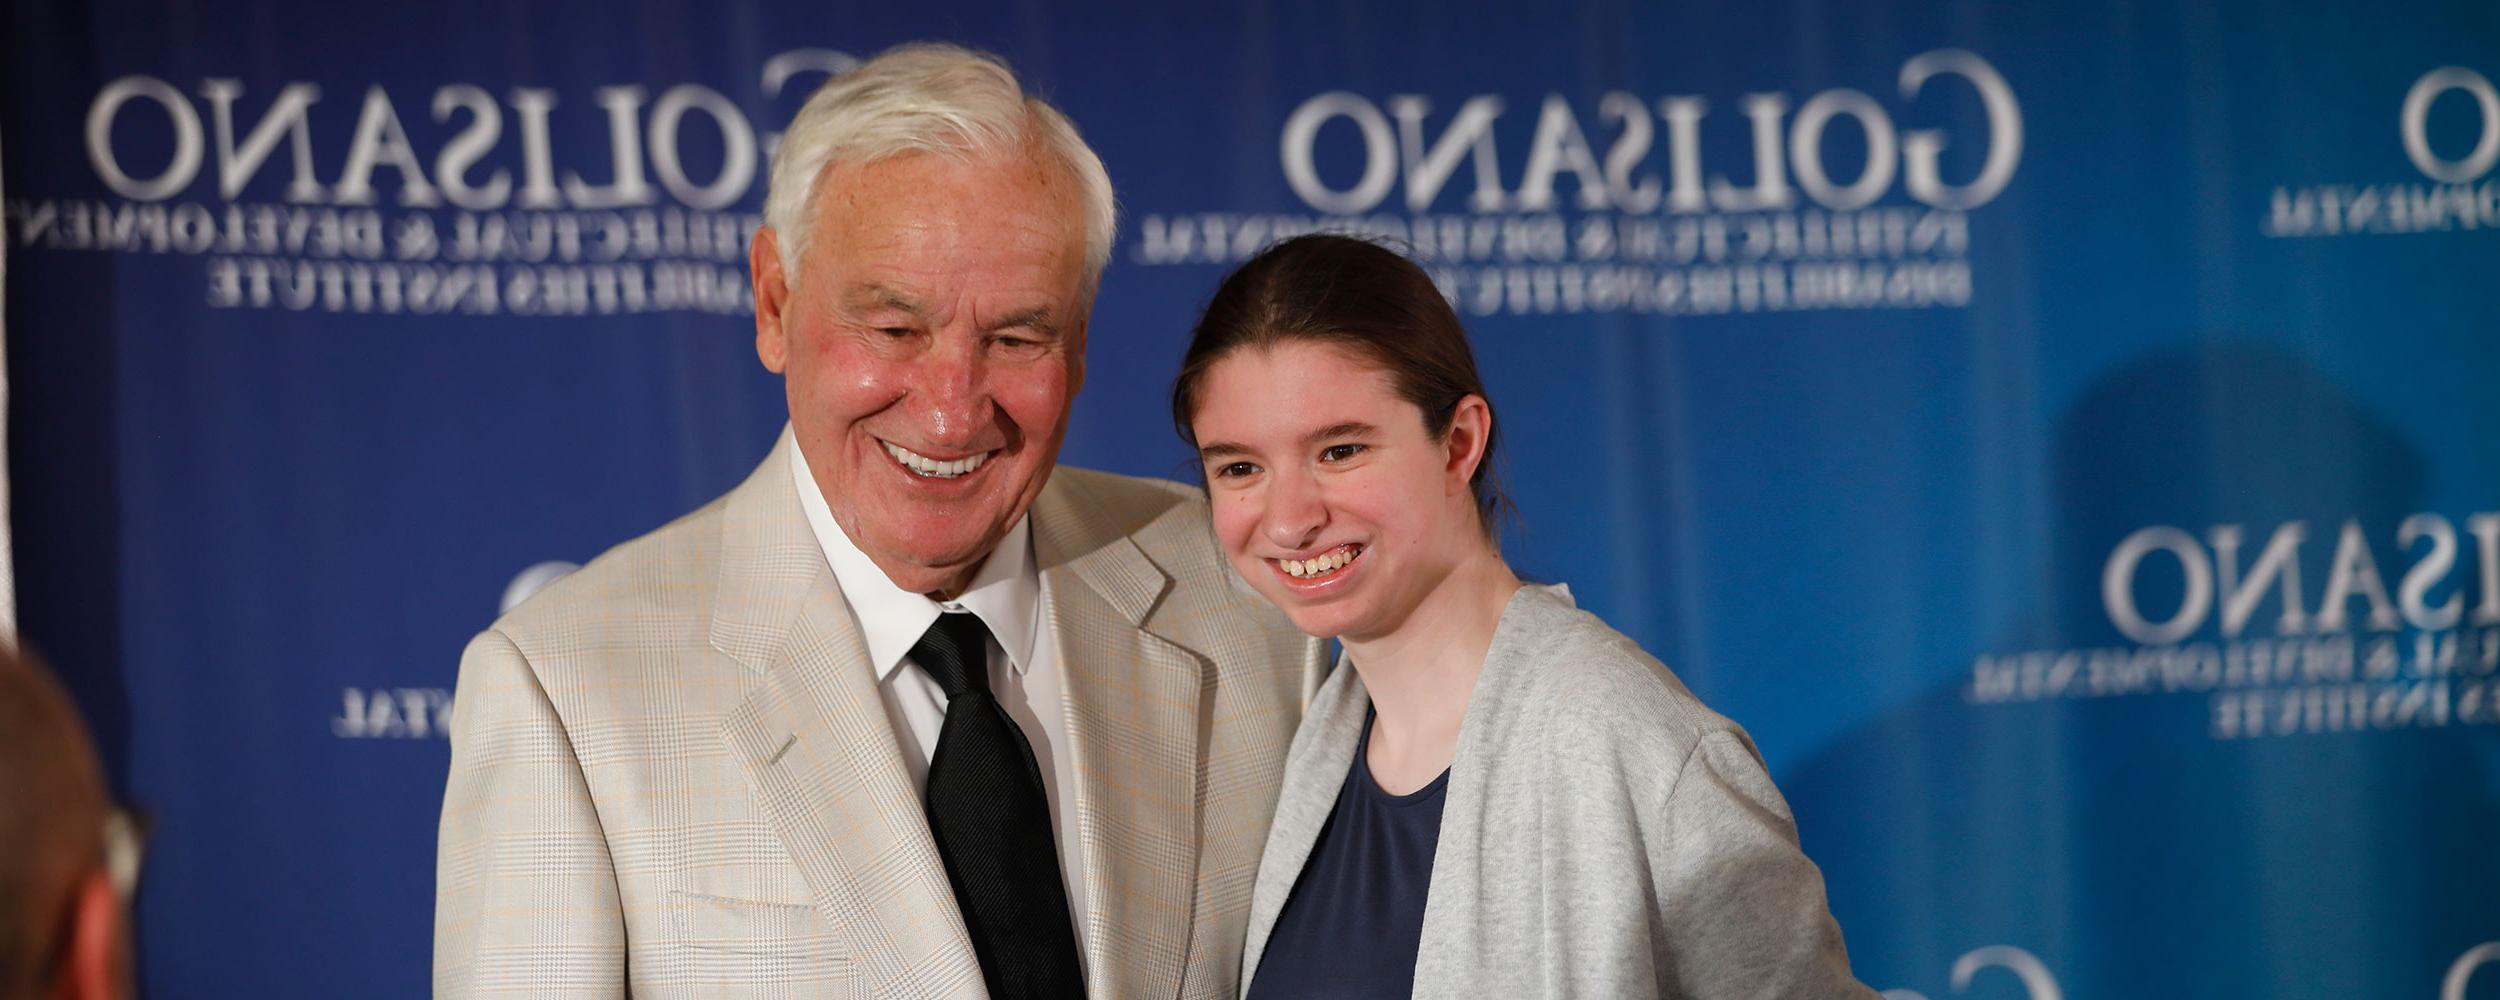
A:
<point x="1346" y="440"/>
<point x="933" y="240"/>
<point x="61" y="927"/>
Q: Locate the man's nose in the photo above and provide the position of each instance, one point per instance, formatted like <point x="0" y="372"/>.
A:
<point x="950" y="390"/>
<point x="1296" y="510"/>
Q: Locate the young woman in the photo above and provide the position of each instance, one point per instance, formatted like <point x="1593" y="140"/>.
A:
<point x="1503" y="797"/>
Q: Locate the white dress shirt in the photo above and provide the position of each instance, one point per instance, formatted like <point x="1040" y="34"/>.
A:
<point x="1007" y="595"/>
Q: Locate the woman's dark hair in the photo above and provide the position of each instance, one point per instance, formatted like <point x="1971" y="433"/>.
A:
<point x="1356" y="295"/>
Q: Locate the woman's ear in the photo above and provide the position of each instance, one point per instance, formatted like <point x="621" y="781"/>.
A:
<point x="1464" y="443"/>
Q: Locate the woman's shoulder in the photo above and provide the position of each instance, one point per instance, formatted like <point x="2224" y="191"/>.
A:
<point x="1576" y="683"/>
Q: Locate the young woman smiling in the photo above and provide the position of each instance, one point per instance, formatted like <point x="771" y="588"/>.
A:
<point x="1502" y="797"/>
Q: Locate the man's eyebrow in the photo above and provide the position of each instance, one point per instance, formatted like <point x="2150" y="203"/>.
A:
<point x="877" y="296"/>
<point x="1037" y="318"/>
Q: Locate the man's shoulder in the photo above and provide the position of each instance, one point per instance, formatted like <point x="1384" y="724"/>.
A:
<point x="1133" y="503"/>
<point x="1168" y="522"/>
<point x="1161" y="516"/>
<point x="663" y="576"/>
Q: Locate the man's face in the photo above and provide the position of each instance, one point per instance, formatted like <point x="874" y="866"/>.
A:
<point x="933" y="342"/>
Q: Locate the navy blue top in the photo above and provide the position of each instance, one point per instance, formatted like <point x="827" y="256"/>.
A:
<point x="1351" y="925"/>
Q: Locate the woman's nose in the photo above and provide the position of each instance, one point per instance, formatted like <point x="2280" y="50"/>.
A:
<point x="1295" y="511"/>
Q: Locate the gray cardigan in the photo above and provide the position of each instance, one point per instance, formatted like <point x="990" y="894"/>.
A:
<point x="1606" y="835"/>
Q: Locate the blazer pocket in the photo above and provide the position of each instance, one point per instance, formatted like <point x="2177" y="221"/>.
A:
<point x="730" y="943"/>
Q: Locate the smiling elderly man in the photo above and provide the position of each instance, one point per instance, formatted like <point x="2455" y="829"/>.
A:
<point x="912" y="712"/>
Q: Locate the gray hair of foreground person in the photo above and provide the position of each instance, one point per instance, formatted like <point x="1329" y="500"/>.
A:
<point x="931" y="98"/>
<point x="61" y="927"/>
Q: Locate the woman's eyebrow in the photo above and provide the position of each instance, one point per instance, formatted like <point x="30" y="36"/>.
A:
<point x="1342" y="429"/>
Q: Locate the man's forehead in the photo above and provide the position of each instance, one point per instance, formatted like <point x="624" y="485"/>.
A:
<point x="1047" y="179"/>
<point x="989" y="310"/>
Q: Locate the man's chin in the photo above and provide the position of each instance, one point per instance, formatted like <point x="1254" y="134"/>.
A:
<point x="927" y="568"/>
<point x="936" y="540"/>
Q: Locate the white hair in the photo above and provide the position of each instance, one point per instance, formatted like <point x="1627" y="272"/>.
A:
<point x="935" y="98"/>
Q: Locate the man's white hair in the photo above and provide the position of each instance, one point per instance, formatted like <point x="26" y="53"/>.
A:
<point x="934" y="98"/>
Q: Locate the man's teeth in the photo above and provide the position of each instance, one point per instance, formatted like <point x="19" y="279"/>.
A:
<point x="1318" y="565"/>
<point x="931" y="467"/>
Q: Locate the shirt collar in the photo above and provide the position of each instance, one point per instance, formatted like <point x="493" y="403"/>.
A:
<point x="1005" y="593"/>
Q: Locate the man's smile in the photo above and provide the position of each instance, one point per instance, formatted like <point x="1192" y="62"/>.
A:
<point x="934" y="468"/>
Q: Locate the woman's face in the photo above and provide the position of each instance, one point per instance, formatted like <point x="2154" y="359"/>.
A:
<point x="1328" y="495"/>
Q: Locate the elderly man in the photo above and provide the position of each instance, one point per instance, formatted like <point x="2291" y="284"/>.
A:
<point x="912" y="712"/>
<point x="62" y="932"/>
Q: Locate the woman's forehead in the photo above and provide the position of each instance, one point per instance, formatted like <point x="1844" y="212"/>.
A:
<point x="1286" y="392"/>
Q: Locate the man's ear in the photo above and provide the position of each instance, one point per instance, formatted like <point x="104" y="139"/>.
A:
<point x="772" y="296"/>
<point x="94" y="963"/>
<point x="1471" y="428"/>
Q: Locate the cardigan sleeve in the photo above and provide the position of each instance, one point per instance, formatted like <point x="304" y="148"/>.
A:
<point x="1741" y="911"/>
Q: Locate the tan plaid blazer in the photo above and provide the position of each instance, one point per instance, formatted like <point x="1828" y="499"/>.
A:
<point x="672" y="774"/>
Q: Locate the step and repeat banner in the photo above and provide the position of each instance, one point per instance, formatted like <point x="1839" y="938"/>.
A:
<point x="2067" y="435"/>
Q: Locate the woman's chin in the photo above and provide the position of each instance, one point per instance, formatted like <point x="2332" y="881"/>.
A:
<point x="1328" y="621"/>
<point x="1327" y="608"/>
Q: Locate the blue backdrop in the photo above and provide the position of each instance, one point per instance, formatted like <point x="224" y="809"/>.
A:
<point x="2063" y="433"/>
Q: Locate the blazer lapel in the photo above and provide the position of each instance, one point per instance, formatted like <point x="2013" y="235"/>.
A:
<point x="1314" y="773"/>
<point x="821" y="754"/>
<point x="1131" y="698"/>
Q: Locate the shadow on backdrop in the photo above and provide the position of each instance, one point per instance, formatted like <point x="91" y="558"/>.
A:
<point x="2118" y="839"/>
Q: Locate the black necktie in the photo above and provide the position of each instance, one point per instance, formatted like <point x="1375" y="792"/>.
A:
<point x="993" y="826"/>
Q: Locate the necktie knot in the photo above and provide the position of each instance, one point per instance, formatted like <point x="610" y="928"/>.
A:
<point x="955" y="653"/>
